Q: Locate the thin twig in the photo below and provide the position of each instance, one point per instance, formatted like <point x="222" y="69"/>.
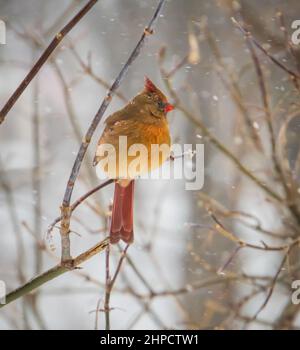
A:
<point x="88" y="69"/>
<point x="271" y="289"/>
<point x="294" y="76"/>
<point x="190" y="288"/>
<point x="107" y="290"/>
<point x="78" y="202"/>
<point x="110" y="283"/>
<point x="118" y="269"/>
<point x="229" y="260"/>
<point x="219" y="227"/>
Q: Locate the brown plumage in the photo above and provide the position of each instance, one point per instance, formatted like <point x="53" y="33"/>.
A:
<point x="142" y="121"/>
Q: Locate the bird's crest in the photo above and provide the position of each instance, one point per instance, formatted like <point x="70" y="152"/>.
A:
<point x="149" y="86"/>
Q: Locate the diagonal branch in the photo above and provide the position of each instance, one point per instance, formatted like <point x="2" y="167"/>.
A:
<point x="43" y="58"/>
<point x="294" y="76"/>
<point x="65" y="207"/>
<point x="54" y="272"/>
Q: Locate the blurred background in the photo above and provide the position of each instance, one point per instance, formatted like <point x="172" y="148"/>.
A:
<point x="192" y="264"/>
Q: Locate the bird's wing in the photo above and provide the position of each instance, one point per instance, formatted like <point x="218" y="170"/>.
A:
<point x="122" y="122"/>
<point x="123" y="114"/>
<point x="112" y="124"/>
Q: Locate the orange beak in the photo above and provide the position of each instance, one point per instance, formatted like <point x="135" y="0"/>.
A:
<point x="168" y="107"/>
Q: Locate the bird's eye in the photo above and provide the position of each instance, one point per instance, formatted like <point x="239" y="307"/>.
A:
<point x="161" y="105"/>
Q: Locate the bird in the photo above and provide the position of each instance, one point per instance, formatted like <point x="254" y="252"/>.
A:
<point x="143" y="121"/>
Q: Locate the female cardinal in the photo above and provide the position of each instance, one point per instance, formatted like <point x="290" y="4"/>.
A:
<point x="142" y="121"/>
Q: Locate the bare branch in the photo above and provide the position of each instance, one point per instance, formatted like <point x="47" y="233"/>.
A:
<point x="54" y="272"/>
<point x="294" y="76"/>
<point x="43" y="58"/>
<point x="65" y="207"/>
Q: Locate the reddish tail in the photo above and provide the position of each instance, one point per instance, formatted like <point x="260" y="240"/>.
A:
<point x="122" y="214"/>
